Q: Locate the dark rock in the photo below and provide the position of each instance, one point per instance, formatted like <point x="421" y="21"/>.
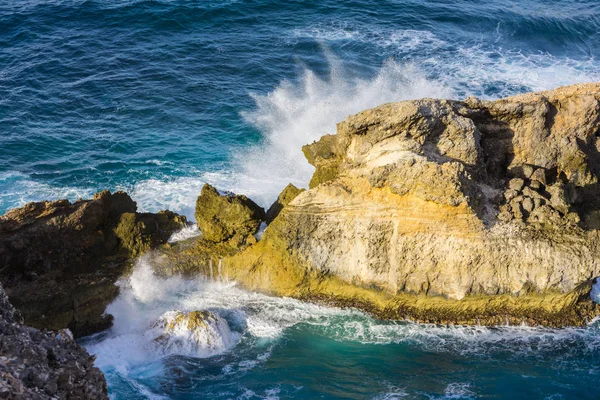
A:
<point x="60" y="260"/>
<point x="44" y="365"/>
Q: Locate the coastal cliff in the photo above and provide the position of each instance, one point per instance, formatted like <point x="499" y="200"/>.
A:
<point x="440" y="211"/>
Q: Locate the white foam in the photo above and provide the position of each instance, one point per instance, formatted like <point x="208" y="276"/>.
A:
<point x="172" y="335"/>
<point x="595" y="293"/>
<point x="18" y="189"/>
<point x="468" y="69"/>
<point x="185" y="233"/>
<point x="144" y="298"/>
<point x="178" y="194"/>
<point x="394" y="393"/>
<point x="458" y="390"/>
<point x="405" y="40"/>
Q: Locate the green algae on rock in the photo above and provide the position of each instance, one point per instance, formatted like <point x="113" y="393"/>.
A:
<point x="288" y="194"/>
<point x="228" y="216"/>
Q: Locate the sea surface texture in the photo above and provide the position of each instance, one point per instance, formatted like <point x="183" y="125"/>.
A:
<point x="159" y="97"/>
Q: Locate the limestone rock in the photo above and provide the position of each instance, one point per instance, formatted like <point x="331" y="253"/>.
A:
<point x="44" y="365"/>
<point x="402" y="216"/>
<point x="60" y="259"/>
<point x="224" y="217"/>
<point x="516" y="184"/>
<point x="288" y="194"/>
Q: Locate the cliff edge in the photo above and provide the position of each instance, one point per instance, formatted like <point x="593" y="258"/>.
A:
<point x="443" y="211"/>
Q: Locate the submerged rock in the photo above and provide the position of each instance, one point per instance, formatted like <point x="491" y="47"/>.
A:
<point x="227" y="217"/>
<point x="60" y="259"/>
<point x="446" y="211"/>
<point x="44" y="365"/>
<point x="199" y="333"/>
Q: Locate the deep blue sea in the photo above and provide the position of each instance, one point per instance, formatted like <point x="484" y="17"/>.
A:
<point x="159" y="97"/>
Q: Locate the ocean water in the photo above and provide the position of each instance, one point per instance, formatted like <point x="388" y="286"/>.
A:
<point x="159" y="97"/>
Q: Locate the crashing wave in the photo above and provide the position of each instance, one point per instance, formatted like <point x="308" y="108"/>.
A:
<point x="194" y="333"/>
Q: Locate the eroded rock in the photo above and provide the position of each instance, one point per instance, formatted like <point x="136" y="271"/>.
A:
<point x="60" y="259"/>
<point x="44" y="365"/>
<point x="433" y="209"/>
<point x="228" y="216"/>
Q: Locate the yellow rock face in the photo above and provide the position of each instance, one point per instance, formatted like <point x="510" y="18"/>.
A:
<point x="446" y="211"/>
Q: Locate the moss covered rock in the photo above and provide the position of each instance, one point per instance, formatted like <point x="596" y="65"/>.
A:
<point x="141" y="231"/>
<point x="227" y="216"/>
<point x="288" y="194"/>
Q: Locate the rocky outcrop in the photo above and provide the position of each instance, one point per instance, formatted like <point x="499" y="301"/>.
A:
<point x="227" y="217"/>
<point x="60" y="260"/>
<point x="43" y="365"/>
<point x="446" y="211"/>
<point x="288" y="194"/>
<point x="200" y="333"/>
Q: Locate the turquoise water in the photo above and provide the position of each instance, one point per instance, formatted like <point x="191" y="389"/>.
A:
<point x="159" y="97"/>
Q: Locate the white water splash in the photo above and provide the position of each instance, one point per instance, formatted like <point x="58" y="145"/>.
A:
<point x="171" y="334"/>
<point x="295" y="114"/>
<point x="145" y="298"/>
<point x="185" y="233"/>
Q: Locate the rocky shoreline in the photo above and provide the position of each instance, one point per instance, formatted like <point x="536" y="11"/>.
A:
<point x="460" y="212"/>
<point x="44" y="365"/>
<point x="448" y="212"/>
<point x="60" y="261"/>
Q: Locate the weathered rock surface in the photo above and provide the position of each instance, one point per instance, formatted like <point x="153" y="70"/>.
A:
<point x="289" y="193"/>
<point x="226" y="217"/>
<point x="196" y="333"/>
<point x="60" y="259"/>
<point x="43" y="365"/>
<point x="446" y="211"/>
